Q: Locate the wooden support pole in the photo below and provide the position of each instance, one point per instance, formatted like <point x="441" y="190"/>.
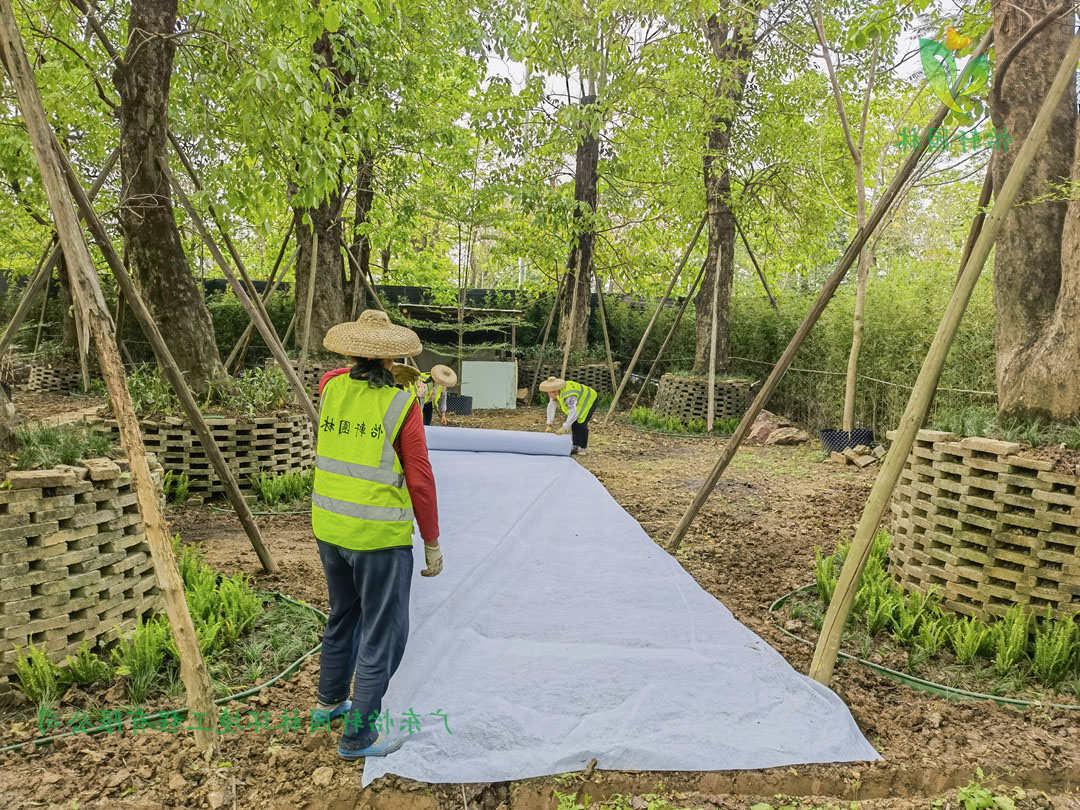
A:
<point x="544" y="340"/>
<point x="604" y="329"/>
<point x="41" y="317"/>
<point x="757" y="267"/>
<point x="854" y="248"/>
<point x="918" y="406"/>
<point x="168" y="364"/>
<point x="289" y="328"/>
<point x="44" y="270"/>
<point x="367" y="281"/>
<point x="652" y="321"/>
<point x="313" y="267"/>
<point x="86" y="291"/>
<point x="229" y="245"/>
<point x="671" y="334"/>
<point x="985" y="194"/>
<point x="710" y="414"/>
<point x="272" y="282"/>
<point x="266" y="330"/>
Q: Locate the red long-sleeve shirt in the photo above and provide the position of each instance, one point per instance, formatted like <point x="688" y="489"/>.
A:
<point x="411" y="447"/>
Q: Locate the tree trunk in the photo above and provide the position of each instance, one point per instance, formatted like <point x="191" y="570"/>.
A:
<point x="361" y="242"/>
<point x="861" y="282"/>
<point x="146" y="211"/>
<point x="719" y="260"/>
<point x="329" y="292"/>
<point x="731" y="40"/>
<point x="580" y="264"/>
<point x="1037" y="254"/>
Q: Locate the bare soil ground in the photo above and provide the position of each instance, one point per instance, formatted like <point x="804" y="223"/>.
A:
<point x="753" y="541"/>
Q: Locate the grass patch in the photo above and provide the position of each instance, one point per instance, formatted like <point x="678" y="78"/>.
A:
<point x="983" y="420"/>
<point x="651" y="420"/>
<point x="1019" y="655"/>
<point x="40" y="447"/>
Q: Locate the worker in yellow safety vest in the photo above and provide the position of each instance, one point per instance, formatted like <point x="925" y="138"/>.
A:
<point x="576" y="400"/>
<point x="430" y="389"/>
<point x="372" y="479"/>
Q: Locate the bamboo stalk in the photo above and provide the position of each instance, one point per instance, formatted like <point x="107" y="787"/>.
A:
<point x="266" y="330"/>
<point x="671" y="333"/>
<point x="918" y="406"/>
<point x="855" y="247"/>
<point x="86" y="291"/>
<point x="648" y="328"/>
<point x="129" y="292"/>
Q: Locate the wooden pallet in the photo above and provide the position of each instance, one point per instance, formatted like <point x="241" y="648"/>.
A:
<point x="986" y="527"/>
<point x="74" y="563"/>
<point x="51" y="379"/>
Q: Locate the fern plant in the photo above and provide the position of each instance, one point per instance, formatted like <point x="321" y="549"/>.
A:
<point x="1053" y="650"/>
<point x="139" y="658"/>
<point x="39" y="678"/>
<point x="85" y="667"/>
<point x="969" y="637"/>
<point x="825" y="575"/>
<point x="1010" y="639"/>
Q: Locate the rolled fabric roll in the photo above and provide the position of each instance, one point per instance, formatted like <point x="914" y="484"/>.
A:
<point x="477" y="440"/>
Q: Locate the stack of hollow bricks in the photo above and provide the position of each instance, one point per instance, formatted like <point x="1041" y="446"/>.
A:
<point x="46" y="378"/>
<point x="688" y="397"/>
<point x="986" y="527"/>
<point x="272" y="444"/>
<point x="74" y="563"/>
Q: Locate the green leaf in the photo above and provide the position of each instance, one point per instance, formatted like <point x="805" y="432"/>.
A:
<point x="939" y="67"/>
<point x="332" y="19"/>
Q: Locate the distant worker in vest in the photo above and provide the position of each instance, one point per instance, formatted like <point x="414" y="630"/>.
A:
<point x="431" y="389"/>
<point x="372" y="478"/>
<point x="576" y="400"/>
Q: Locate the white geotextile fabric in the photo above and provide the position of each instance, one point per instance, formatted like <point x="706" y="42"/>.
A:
<point x="558" y="632"/>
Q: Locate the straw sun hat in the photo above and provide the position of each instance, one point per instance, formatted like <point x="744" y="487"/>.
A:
<point x="405" y="375"/>
<point x="372" y="335"/>
<point x="444" y="376"/>
<point x="552" y="384"/>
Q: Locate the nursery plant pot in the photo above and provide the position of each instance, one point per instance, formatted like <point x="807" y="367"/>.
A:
<point x="459" y="404"/>
<point x="836" y="441"/>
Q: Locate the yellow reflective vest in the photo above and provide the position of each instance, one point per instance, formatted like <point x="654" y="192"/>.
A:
<point x="360" y="500"/>
<point x="586" y="398"/>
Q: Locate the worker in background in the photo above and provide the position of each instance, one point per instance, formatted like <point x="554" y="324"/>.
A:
<point x="429" y="387"/>
<point x="576" y="400"/>
<point x="372" y="479"/>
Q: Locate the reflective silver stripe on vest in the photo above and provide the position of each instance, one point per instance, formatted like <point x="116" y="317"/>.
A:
<point x="387" y="514"/>
<point x="380" y="475"/>
<point x="390" y="420"/>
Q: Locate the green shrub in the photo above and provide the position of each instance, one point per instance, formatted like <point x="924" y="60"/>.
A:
<point x="39" y="678"/>
<point x="85" y="667"/>
<point x="255" y="391"/>
<point x="42" y="446"/>
<point x="139" y="658"/>
<point x="1010" y="639"/>
<point x="825" y="575"/>
<point x="932" y="635"/>
<point x="283" y="489"/>
<point x="1053" y="650"/>
<point x="151" y="394"/>
<point x="238" y="606"/>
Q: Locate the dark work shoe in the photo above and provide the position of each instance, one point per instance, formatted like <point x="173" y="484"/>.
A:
<point x="323" y="717"/>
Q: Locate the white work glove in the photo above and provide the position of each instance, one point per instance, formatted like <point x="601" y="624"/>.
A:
<point x="561" y="431"/>
<point x="433" y="558"/>
<point x="550" y="427"/>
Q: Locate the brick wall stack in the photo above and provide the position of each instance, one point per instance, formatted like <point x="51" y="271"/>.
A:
<point x="74" y="563"/>
<point x="274" y="444"/>
<point x="987" y="527"/>
<point x="688" y="397"/>
<point x="56" y="380"/>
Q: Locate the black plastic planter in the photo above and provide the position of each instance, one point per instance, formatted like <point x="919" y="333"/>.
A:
<point x="459" y="404"/>
<point x="836" y="441"/>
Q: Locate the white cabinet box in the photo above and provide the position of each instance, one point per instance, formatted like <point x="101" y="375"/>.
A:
<point x="490" y="384"/>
